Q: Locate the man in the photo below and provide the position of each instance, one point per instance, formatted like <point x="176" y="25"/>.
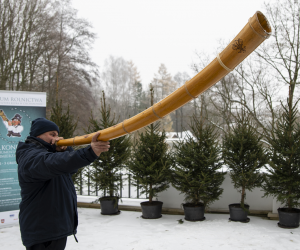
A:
<point x="48" y="210"/>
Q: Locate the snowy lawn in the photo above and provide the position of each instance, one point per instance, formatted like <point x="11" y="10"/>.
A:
<point x="129" y="231"/>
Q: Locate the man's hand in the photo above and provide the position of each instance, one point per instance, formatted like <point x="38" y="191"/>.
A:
<point x="99" y="146"/>
<point x="58" y="148"/>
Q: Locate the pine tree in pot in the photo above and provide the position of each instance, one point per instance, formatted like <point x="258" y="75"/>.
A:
<point x="196" y="170"/>
<point x="105" y="173"/>
<point x="283" y="178"/>
<point x="150" y="167"/>
<point x="244" y="154"/>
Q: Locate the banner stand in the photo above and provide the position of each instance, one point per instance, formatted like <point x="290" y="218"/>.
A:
<point x="17" y="110"/>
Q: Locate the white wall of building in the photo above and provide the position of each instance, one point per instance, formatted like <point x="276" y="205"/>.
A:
<point x="173" y="199"/>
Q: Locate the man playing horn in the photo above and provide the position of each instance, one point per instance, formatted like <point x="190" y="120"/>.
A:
<point x="48" y="210"/>
<point x="14" y="127"/>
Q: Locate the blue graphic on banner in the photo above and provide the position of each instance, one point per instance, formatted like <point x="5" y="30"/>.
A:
<point x="15" y="123"/>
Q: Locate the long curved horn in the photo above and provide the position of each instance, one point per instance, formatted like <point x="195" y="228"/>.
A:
<point x="250" y="37"/>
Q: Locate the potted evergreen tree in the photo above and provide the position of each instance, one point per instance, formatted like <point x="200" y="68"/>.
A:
<point x="105" y="172"/>
<point x="150" y="167"/>
<point x="283" y="178"/>
<point x="244" y="154"/>
<point x="196" y="170"/>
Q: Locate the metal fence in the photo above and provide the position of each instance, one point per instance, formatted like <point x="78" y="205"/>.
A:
<point x="127" y="191"/>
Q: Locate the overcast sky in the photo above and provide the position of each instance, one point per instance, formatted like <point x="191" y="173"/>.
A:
<point x="153" y="32"/>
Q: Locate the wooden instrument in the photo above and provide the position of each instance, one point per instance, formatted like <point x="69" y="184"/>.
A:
<point x="250" y="37"/>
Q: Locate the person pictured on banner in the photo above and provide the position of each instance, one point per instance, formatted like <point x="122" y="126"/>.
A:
<point x="48" y="209"/>
<point x="13" y="126"/>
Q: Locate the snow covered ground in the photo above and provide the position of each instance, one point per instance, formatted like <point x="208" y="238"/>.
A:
<point x="128" y="231"/>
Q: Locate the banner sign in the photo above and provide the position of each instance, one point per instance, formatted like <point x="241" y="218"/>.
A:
<point x="17" y="110"/>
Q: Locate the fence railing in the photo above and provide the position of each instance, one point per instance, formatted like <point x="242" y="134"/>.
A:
<point x="126" y="190"/>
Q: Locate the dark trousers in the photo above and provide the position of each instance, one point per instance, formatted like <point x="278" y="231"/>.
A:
<point x="59" y="244"/>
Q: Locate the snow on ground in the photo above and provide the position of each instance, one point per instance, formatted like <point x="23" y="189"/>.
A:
<point x="128" y="231"/>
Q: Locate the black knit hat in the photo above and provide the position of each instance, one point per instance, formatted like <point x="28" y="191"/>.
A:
<point x="41" y="125"/>
<point x="17" y="117"/>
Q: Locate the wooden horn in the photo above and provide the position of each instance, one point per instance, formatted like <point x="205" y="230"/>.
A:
<point x="250" y="37"/>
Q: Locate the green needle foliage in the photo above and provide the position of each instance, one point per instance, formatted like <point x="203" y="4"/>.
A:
<point x="66" y="122"/>
<point x="105" y="174"/>
<point x="150" y="165"/>
<point x="196" y="171"/>
<point x="283" y="178"/>
<point x="244" y="155"/>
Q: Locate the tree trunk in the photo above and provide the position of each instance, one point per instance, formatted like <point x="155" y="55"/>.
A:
<point x="243" y="197"/>
<point x="150" y="193"/>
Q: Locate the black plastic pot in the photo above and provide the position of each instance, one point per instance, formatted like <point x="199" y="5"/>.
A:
<point x="237" y="213"/>
<point x="151" y="210"/>
<point x="194" y="212"/>
<point x="288" y="218"/>
<point x="109" y="205"/>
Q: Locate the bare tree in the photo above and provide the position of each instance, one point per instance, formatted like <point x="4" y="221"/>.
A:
<point x="135" y="89"/>
<point x="45" y="47"/>
<point x="20" y="36"/>
<point x="283" y="51"/>
<point x="116" y="79"/>
<point x="163" y="85"/>
<point x="266" y="77"/>
<point x="248" y="88"/>
<point x="181" y="114"/>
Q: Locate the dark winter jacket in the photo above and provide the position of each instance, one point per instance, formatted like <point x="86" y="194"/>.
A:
<point x="48" y="209"/>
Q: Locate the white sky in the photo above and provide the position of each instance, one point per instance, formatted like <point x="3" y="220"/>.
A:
<point x="163" y="31"/>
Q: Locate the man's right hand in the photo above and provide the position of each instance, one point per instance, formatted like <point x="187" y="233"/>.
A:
<point x="99" y="146"/>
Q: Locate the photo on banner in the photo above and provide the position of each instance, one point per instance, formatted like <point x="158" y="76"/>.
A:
<point x="17" y="110"/>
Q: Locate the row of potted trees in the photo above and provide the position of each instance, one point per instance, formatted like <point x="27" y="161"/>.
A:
<point x="194" y="166"/>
